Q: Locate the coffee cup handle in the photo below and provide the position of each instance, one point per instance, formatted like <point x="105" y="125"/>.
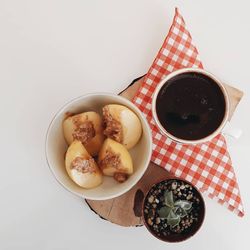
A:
<point x="232" y="132"/>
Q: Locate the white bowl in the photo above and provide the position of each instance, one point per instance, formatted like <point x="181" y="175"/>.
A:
<point x="56" y="147"/>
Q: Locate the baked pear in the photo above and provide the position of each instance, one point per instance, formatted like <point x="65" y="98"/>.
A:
<point x="115" y="160"/>
<point x="122" y="125"/>
<point x="87" y="128"/>
<point x="81" y="167"/>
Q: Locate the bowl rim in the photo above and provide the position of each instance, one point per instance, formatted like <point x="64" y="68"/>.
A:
<point x="143" y="214"/>
<point x="141" y="117"/>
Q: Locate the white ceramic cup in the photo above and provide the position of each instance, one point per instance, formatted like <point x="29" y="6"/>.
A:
<point x="56" y="147"/>
<point x="224" y="126"/>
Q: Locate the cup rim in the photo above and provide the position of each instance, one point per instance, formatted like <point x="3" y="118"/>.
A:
<point x="67" y="104"/>
<point x="187" y="70"/>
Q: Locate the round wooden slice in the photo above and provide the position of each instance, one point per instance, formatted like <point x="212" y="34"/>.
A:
<point x="126" y="210"/>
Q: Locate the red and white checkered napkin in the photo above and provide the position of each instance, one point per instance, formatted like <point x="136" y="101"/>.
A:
<point x="208" y="166"/>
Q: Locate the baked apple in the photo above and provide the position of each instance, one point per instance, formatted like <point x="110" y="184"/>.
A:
<point x="115" y="160"/>
<point x="87" y="128"/>
<point x="81" y="167"/>
<point x="122" y="125"/>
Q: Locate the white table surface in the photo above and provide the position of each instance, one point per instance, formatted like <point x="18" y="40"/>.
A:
<point x="54" y="50"/>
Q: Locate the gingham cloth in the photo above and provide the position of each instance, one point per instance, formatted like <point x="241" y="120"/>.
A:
<point x="208" y="166"/>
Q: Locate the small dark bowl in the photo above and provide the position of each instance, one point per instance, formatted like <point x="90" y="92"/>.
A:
<point x="177" y="237"/>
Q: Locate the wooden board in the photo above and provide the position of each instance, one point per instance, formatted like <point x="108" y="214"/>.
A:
<point x="125" y="210"/>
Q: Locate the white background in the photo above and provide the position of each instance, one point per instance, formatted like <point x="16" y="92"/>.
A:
<point x="54" y="50"/>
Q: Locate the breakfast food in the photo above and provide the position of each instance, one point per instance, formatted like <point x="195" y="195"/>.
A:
<point x="122" y="125"/>
<point x="86" y="128"/>
<point x="115" y="160"/>
<point x="81" y="167"/>
<point x="85" y="133"/>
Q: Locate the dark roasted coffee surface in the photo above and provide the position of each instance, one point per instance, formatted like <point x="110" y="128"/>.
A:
<point x="190" y="106"/>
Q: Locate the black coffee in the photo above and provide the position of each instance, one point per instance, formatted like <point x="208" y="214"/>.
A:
<point x="190" y="106"/>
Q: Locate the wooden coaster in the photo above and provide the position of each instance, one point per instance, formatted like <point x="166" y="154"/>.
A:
<point x="125" y="210"/>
